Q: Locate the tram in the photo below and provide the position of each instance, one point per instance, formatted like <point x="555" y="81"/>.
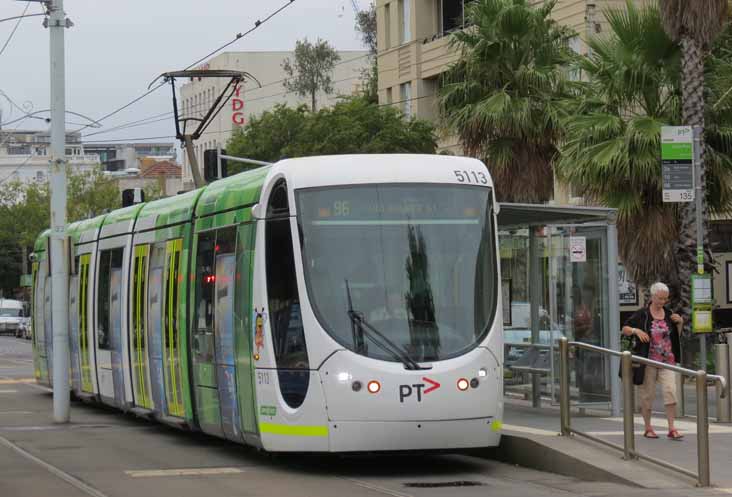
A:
<point x="326" y="304"/>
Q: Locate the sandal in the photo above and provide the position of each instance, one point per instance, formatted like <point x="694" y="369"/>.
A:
<point x="650" y="434"/>
<point x="675" y="435"/>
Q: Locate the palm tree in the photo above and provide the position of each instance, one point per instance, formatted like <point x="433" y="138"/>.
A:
<point x="694" y="25"/>
<point x="612" y="147"/>
<point x="503" y="96"/>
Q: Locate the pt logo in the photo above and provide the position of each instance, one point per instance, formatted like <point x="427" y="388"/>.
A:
<point x="407" y="390"/>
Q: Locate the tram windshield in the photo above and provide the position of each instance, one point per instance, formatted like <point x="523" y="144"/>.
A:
<point x="416" y="263"/>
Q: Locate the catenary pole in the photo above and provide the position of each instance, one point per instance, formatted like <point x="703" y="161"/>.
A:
<point x="59" y="258"/>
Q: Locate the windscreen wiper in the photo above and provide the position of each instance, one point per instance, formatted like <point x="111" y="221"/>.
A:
<point x="359" y="322"/>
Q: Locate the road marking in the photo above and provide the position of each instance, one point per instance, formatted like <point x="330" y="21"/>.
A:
<point x="377" y="488"/>
<point x="53" y="469"/>
<point x="8" y="391"/>
<point x="15" y="381"/>
<point x="530" y="431"/>
<point x="15" y="412"/>
<point x="183" y="472"/>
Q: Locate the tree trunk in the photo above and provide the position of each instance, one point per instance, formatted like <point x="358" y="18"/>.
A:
<point x="692" y="83"/>
<point x="312" y="97"/>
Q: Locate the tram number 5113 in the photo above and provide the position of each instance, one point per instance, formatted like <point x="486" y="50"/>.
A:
<point x="476" y="177"/>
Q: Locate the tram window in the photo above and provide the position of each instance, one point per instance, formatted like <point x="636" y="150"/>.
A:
<point x="278" y="204"/>
<point x="205" y="279"/>
<point x="284" y="306"/>
<point x="109" y="260"/>
<point x="225" y="241"/>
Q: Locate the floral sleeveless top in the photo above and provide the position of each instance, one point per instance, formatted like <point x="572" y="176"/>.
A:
<point x="660" y="349"/>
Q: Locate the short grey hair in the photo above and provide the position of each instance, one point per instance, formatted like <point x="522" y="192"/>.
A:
<point x="659" y="287"/>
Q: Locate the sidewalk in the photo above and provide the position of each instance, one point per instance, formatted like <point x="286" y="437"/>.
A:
<point x="542" y="426"/>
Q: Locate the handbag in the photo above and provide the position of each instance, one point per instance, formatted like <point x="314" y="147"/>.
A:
<point x="633" y="344"/>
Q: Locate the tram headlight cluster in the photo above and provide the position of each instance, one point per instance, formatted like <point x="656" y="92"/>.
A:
<point x="463" y="384"/>
<point x="372" y="386"/>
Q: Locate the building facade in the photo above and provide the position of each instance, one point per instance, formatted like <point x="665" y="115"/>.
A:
<point x="25" y="155"/>
<point x="120" y="156"/>
<point x="250" y="99"/>
<point x="413" y="51"/>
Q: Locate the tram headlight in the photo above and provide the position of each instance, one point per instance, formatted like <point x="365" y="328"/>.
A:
<point x="482" y="372"/>
<point x="463" y="384"/>
<point x="374" y="386"/>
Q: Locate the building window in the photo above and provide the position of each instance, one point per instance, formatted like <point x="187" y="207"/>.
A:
<point x="405" y="33"/>
<point x="452" y="13"/>
<point x="40" y="176"/>
<point x="405" y="98"/>
<point x="387" y="26"/>
<point x="389" y="96"/>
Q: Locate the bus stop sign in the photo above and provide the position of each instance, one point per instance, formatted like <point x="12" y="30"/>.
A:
<point x="677" y="154"/>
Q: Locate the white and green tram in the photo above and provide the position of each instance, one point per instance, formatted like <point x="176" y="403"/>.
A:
<point x="326" y="304"/>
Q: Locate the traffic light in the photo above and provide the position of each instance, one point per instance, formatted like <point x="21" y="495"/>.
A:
<point x="132" y="196"/>
<point x="211" y="165"/>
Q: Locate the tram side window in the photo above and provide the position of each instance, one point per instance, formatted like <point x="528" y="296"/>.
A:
<point x="284" y="302"/>
<point x="205" y="285"/>
<point x="109" y="260"/>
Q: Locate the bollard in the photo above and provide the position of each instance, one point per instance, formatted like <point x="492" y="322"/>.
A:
<point x="702" y="428"/>
<point x="564" y="419"/>
<point x="626" y="364"/>
<point x="721" y="359"/>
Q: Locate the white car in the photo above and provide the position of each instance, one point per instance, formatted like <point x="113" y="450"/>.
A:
<point x="13" y="320"/>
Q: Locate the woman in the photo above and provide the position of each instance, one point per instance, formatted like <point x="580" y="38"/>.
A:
<point x="654" y="326"/>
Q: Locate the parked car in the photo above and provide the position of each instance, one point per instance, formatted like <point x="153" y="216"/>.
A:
<point x="13" y="318"/>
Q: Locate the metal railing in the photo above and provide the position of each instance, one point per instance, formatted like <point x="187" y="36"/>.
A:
<point x="702" y="422"/>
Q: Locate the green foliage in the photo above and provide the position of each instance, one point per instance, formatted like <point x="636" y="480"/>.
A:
<point x="311" y="71"/>
<point x="504" y="95"/>
<point x="25" y="213"/>
<point x="354" y="125"/>
<point x="366" y="27"/>
<point x="611" y="151"/>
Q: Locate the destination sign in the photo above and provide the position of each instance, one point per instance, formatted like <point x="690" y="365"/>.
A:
<point x="394" y="203"/>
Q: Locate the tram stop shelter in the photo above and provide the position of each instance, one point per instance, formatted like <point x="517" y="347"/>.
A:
<point x="559" y="277"/>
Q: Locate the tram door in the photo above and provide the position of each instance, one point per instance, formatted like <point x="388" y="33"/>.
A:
<point x="171" y="330"/>
<point x="109" y="327"/>
<point x="202" y="343"/>
<point x="243" y="327"/>
<point x="139" y="330"/>
<point x="224" y="343"/>
<point x="155" y="327"/>
<point x="40" y="311"/>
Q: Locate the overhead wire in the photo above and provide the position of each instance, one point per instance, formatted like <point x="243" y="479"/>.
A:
<point x="17" y="24"/>
<point x="238" y="37"/>
<point x="166" y="137"/>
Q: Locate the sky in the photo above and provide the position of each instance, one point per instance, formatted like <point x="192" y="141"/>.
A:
<point x="117" y="48"/>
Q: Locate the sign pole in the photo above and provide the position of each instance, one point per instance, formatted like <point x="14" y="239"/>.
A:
<point x="699" y="232"/>
<point x="57" y="23"/>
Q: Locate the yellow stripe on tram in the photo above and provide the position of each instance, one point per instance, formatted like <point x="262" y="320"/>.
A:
<point x="179" y="249"/>
<point x="138" y="324"/>
<point x="171" y="283"/>
<point x="293" y="430"/>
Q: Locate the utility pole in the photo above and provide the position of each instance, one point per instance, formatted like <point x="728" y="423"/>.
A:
<point x="57" y="23"/>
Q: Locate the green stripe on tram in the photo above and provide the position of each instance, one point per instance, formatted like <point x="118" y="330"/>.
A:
<point x="293" y="430"/>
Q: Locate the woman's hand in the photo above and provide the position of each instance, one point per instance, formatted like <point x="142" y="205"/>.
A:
<point x="642" y="335"/>
<point x="678" y="321"/>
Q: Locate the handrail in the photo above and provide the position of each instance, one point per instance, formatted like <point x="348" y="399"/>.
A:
<point x="525" y="345"/>
<point x="702" y="379"/>
<point x="711" y="378"/>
